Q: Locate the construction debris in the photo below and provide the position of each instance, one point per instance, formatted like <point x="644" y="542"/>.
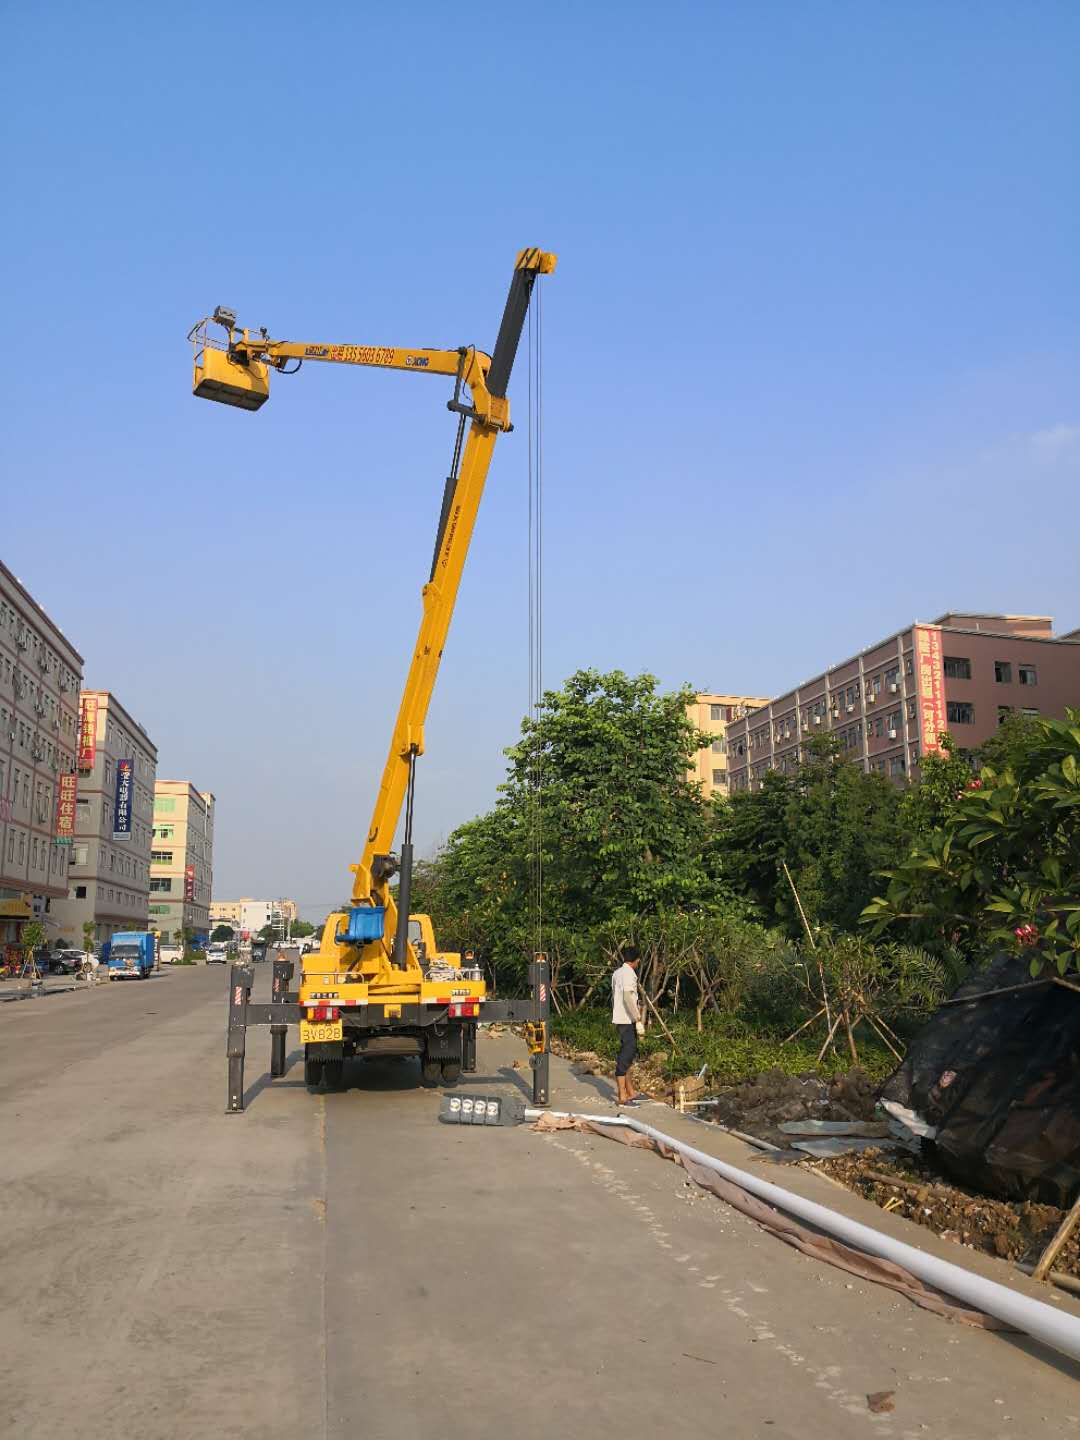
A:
<point x="1016" y="1230"/>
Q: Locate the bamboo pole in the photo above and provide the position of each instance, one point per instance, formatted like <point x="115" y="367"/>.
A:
<point x="1050" y="1254"/>
<point x="813" y="943"/>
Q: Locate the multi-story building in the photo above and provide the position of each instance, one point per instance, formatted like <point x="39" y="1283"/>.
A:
<point x="713" y="714"/>
<point x="181" y="858"/>
<point x="109" y="874"/>
<point x="247" y="914"/>
<point x="40" y="675"/>
<point x="963" y="674"/>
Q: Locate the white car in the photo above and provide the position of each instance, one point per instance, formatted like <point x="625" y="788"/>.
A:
<point x="217" y="955"/>
<point x="169" y="954"/>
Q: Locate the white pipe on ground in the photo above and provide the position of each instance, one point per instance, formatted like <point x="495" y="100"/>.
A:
<point x="1054" y="1328"/>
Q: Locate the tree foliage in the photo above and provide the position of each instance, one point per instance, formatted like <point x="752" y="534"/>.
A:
<point x="1003" y="865"/>
<point x="832" y="825"/>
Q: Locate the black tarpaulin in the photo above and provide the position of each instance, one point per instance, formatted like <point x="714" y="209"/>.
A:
<point x="999" y="1076"/>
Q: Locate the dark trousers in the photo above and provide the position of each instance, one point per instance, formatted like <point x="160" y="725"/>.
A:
<point x="627" y="1048"/>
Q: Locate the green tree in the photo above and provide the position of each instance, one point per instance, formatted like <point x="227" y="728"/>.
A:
<point x="606" y="760"/>
<point x="88" y="931"/>
<point x="222" y="932"/>
<point x="1003" y="868"/>
<point x="31" y="938"/>
<point x="834" y="827"/>
<point x="301" y="929"/>
<point x="943" y="778"/>
<point x="1008" y="747"/>
<point x="597" y="795"/>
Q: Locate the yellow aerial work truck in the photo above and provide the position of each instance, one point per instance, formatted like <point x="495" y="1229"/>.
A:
<point x="379" y="984"/>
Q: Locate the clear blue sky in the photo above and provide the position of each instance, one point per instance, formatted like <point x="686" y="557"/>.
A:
<point x="811" y="360"/>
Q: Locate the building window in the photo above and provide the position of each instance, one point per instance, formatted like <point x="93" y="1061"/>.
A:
<point x="1028" y="675"/>
<point x="1029" y="714"/>
<point x="957" y="667"/>
<point x="716" y="712"/>
<point x="161" y="884"/>
<point x="719" y="776"/>
<point x="161" y="857"/>
<point x="960" y="712"/>
<point x="1003" y="672"/>
<point x="718" y="745"/>
<point x="1004" y="711"/>
<point x="80" y="892"/>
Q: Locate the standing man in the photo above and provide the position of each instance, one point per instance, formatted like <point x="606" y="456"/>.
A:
<point x="626" y="1017"/>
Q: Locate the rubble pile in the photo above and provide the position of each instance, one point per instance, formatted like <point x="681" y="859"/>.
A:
<point x="758" y="1106"/>
<point x="1017" y="1230"/>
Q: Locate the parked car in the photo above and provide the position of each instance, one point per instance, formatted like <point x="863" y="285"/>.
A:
<point x="66" y="960"/>
<point x="169" y="954"/>
<point x="217" y="954"/>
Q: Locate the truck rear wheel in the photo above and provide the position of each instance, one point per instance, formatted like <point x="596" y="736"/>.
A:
<point x="451" y="1072"/>
<point x="430" y="1072"/>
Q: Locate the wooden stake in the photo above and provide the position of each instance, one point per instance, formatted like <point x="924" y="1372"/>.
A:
<point x="659" y="1019"/>
<point x="813" y="945"/>
<point x="1050" y="1254"/>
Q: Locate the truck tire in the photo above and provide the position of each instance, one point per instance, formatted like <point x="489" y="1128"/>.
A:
<point x="451" y="1072"/>
<point x="430" y="1072"/>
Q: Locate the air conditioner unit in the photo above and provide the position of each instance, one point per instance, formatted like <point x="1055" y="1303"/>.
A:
<point x="892" y="734"/>
<point x="817" y="719"/>
<point x="894" y="687"/>
<point x="871" y="698"/>
<point x="851" y="709"/>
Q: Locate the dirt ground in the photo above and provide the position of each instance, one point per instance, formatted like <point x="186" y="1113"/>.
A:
<point x="1017" y="1230"/>
<point x="1013" y="1230"/>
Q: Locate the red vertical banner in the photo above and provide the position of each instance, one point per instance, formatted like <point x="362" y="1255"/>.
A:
<point x="66" y="789"/>
<point x="88" y="716"/>
<point x="189" y="882"/>
<point x="930" y="675"/>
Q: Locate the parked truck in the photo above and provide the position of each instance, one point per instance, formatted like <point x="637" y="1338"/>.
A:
<point x="129" y="955"/>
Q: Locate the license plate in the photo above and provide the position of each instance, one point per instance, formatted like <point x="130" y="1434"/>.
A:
<point x="318" y="1032"/>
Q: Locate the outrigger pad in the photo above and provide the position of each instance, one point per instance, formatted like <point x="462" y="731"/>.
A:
<point x="481" y="1110"/>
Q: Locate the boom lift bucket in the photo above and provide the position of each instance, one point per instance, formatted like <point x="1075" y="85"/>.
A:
<point x="219" y="377"/>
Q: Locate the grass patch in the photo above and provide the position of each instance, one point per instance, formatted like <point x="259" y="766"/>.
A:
<point x="730" y="1049"/>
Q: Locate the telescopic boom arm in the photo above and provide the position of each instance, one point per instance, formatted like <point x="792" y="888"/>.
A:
<point x="239" y="375"/>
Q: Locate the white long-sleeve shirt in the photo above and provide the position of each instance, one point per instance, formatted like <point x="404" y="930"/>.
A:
<point x="624" y="996"/>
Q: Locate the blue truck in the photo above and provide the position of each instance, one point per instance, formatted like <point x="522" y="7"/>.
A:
<point x="129" y="955"/>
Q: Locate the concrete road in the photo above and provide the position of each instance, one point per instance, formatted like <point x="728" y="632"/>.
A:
<point x="341" y="1265"/>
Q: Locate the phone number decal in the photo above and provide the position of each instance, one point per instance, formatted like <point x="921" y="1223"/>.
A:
<point x="363" y="354"/>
